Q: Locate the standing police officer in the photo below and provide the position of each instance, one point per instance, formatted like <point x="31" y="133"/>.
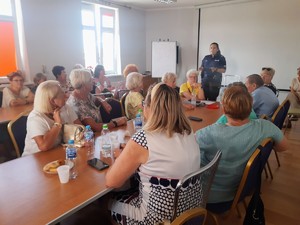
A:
<point x="211" y="69"/>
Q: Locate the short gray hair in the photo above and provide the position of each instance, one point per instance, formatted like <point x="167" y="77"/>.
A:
<point x="134" y="80"/>
<point x="168" y="77"/>
<point x="190" y="72"/>
<point x="45" y="92"/>
<point x="80" y="77"/>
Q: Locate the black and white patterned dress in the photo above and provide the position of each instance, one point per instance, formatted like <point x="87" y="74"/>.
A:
<point x="169" y="160"/>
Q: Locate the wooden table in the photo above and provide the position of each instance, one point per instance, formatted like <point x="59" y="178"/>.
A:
<point x="9" y="113"/>
<point x="209" y="116"/>
<point x="30" y="196"/>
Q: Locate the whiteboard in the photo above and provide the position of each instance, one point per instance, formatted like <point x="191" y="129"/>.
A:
<point x="163" y="58"/>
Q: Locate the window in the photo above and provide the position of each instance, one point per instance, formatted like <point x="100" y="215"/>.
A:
<point x="101" y="37"/>
<point x="11" y="46"/>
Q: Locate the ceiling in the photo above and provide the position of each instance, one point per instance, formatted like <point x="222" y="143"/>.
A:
<point x="154" y="5"/>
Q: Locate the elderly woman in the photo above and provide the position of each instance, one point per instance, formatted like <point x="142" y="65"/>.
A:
<point x="134" y="99"/>
<point x="85" y="104"/>
<point x="61" y="76"/>
<point x="38" y="78"/>
<point x="267" y="74"/>
<point x="294" y="95"/>
<point x="164" y="151"/>
<point x="16" y="93"/>
<point x="191" y="87"/>
<point x="44" y="123"/>
<point x="170" y="80"/>
<point x="101" y="82"/>
<point x="244" y="134"/>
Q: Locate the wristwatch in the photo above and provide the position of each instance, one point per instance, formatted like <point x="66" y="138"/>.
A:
<point x="115" y="123"/>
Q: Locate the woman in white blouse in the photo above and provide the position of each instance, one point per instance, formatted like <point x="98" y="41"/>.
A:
<point x="16" y="93"/>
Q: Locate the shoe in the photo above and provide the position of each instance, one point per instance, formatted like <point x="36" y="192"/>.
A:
<point x="294" y="118"/>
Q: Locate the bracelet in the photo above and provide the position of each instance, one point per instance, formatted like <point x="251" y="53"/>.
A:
<point x="115" y="123"/>
<point x="57" y="125"/>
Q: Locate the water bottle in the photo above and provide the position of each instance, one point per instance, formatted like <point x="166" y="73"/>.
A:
<point x="193" y="100"/>
<point x="105" y="85"/>
<point x="89" y="138"/>
<point x="71" y="154"/>
<point x="105" y="143"/>
<point x="138" y="122"/>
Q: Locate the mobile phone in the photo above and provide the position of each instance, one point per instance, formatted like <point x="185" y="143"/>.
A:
<point x="194" y="118"/>
<point x="97" y="164"/>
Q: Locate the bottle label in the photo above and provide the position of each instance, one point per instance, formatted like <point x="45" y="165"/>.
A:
<point x="88" y="136"/>
<point x="71" y="153"/>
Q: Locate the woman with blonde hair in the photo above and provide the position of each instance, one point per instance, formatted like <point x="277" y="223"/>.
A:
<point x="165" y="144"/>
<point x="45" y="121"/>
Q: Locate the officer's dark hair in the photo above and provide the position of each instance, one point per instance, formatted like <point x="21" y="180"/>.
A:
<point x="216" y="44"/>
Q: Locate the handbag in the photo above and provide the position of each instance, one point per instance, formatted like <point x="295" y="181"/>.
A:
<point x="73" y="132"/>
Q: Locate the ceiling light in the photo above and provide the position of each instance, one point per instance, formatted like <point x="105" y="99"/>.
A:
<point x="166" y="1"/>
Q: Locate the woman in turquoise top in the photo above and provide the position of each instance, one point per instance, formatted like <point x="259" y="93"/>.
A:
<point x="244" y="134"/>
<point x="223" y="118"/>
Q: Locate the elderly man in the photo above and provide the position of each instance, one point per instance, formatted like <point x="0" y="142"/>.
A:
<point x="267" y="74"/>
<point x="264" y="100"/>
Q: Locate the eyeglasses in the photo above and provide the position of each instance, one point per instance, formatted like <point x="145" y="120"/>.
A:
<point x="266" y="68"/>
<point x="18" y="81"/>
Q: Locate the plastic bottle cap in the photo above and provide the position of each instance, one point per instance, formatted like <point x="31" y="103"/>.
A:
<point x="71" y="141"/>
<point x="105" y="126"/>
<point x="140" y="110"/>
<point x="87" y="127"/>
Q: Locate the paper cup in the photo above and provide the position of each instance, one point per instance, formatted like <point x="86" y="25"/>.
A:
<point x="63" y="173"/>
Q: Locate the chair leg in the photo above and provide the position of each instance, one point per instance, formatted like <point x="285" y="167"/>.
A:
<point x="266" y="172"/>
<point x="238" y="211"/>
<point x="277" y="158"/>
<point x="270" y="171"/>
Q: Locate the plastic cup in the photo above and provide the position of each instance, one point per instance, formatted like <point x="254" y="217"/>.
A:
<point x="63" y="173"/>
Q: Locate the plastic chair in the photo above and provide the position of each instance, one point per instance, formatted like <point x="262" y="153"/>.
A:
<point x="120" y="93"/>
<point x="246" y="188"/>
<point x="17" y="132"/>
<point x="116" y="111"/>
<point x="195" y="187"/>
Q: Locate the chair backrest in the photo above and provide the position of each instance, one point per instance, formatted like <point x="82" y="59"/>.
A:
<point x="248" y="182"/>
<point x="116" y="111"/>
<point x="120" y="93"/>
<point x="195" y="187"/>
<point x="196" y="216"/>
<point x="265" y="148"/>
<point x="123" y="98"/>
<point x="17" y="131"/>
<point x="280" y="114"/>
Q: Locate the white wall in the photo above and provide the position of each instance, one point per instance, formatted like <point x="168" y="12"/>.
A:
<point x="53" y="35"/>
<point x="254" y="35"/>
<point x="179" y="25"/>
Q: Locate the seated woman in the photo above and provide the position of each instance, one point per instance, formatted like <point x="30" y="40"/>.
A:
<point x="44" y="123"/>
<point x="85" y="104"/>
<point x="170" y="80"/>
<point x="61" y="76"/>
<point x="223" y="118"/>
<point x="191" y="87"/>
<point x="294" y="95"/>
<point x="244" y="134"/>
<point x="38" y="78"/>
<point x="162" y="152"/>
<point x="16" y="93"/>
<point x="267" y="74"/>
<point x="134" y="99"/>
<point x="101" y="83"/>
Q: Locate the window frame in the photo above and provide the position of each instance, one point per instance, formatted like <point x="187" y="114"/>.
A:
<point x="98" y="11"/>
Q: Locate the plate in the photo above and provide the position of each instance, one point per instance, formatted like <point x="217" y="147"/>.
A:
<point x="51" y="167"/>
